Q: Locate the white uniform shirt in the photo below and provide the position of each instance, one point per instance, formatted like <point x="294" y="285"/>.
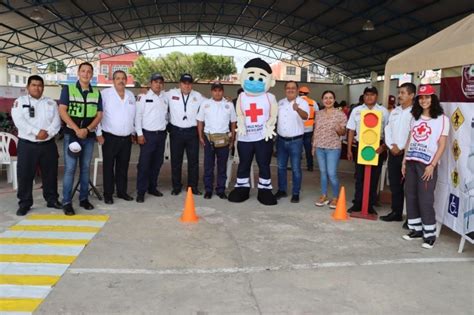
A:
<point x="354" y="120"/>
<point x="289" y="123"/>
<point x="46" y="117"/>
<point x="216" y="115"/>
<point x="118" y="114"/>
<point x="151" y="113"/>
<point x="180" y="117"/>
<point x="398" y="127"/>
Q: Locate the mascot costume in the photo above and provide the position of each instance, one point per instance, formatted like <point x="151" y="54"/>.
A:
<point x="256" y="118"/>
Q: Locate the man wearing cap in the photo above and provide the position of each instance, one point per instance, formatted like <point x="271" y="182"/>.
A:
<point x="114" y="133"/>
<point x="150" y="126"/>
<point x="353" y="125"/>
<point x="308" y="126"/>
<point x="214" y="118"/>
<point x="37" y="120"/>
<point x="184" y="104"/>
<point x="396" y="136"/>
<point x="80" y="107"/>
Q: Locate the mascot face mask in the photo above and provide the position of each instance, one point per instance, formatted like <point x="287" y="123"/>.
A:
<point x="256" y="78"/>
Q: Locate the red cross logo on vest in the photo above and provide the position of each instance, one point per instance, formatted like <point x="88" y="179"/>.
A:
<point x="254" y="112"/>
<point x="421" y="132"/>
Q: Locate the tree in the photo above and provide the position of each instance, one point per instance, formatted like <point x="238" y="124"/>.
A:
<point x="57" y="67"/>
<point x="201" y="66"/>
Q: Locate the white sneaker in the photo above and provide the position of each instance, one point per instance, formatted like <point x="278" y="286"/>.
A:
<point x="322" y="201"/>
<point x="428" y="244"/>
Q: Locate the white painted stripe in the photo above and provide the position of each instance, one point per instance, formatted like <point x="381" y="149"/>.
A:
<point x="270" y="268"/>
<point x="41" y="250"/>
<point x="13" y="268"/>
<point x="62" y="223"/>
<point x="46" y="234"/>
<point x="15" y="313"/>
<point x="24" y="291"/>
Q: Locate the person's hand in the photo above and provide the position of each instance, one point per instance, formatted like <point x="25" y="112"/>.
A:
<point x="269" y="132"/>
<point x="100" y="140"/>
<point x="380" y="149"/>
<point x="141" y="140"/>
<point x="133" y="138"/>
<point x="395" y="150"/>
<point x="428" y="174"/>
<point x="404" y="169"/>
<point x="295" y="106"/>
<point x="201" y="140"/>
<point x="82" y="133"/>
<point x="349" y="155"/>
<point x="42" y="135"/>
<point x="339" y="130"/>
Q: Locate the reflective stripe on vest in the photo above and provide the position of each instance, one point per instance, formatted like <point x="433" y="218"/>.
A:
<point x="310" y="121"/>
<point x="80" y="107"/>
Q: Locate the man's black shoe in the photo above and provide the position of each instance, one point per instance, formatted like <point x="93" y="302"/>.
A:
<point x="295" y="198"/>
<point x="353" y="209"/>
<point x="392" y="216"/>
<point x="222" y="195"/>
<point x="176" y="192"/>
<point x="68" y="209"/>
<point x="371" y="210"/>
<point x="280" y="194"/>
<point x="140" y="198"/>
<point x="86" y="204"/>
<point x="109" y="200"/>
<point x="156" y="193"/>
<point x="55" y="204"/>
<point x="413" y="235"/>
<point x="196" y="191"/>
<point x="208" y="195"/>
<point x="22" y="211"/>
<point x="125" y="197"/>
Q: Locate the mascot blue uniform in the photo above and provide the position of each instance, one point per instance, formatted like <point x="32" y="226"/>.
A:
<point x="256" y="118"/>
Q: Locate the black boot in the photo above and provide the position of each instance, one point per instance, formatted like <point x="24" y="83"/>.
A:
<point x="266" y="197"/>
<point x="239" y="194"/>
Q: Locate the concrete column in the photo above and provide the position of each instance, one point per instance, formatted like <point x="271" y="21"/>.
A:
<point x="3" y="71"/>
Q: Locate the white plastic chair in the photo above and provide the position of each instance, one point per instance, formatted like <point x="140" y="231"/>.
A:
<point x="6" y="159"/>
<point x="97" y="160"/>
<point x="384" y="176"/>
<point x="235" y="160"/>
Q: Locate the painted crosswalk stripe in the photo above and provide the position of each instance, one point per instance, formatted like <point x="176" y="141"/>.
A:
<point x="53" y="235"/>
<point x="36" y="252"/>
<point x="40" y="250"/>
<point x="29" y="280"/>
<point x="62" y="223"/>
<point x="42" y="241"/>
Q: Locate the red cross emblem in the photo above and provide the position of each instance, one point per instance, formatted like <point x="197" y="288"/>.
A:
<point x="421" y="132"/>
<point x="254" y="112"/>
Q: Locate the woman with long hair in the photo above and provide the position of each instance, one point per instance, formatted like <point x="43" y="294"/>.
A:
<point x="329" y="127"/>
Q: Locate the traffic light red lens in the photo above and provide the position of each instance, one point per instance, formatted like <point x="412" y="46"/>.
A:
<point x="371" y="120"/>
<point x="368" y="153"/>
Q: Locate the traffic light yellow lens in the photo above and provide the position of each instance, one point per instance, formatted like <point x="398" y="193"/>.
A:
<point x="369" y="137"/>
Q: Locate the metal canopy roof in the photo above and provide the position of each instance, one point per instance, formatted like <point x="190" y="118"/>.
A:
<point x="326" y="32"/>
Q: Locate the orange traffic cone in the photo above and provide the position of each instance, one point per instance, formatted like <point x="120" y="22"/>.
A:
<point x="189" y="212"/>
<point x="341" y="212"/>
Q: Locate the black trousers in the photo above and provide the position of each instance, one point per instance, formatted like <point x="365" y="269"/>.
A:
<point x="184" y="139"/>
<point x="30" y="155"/>
<point x="396" y="182"/>
<point x="150" y="161"/>
<point x="116" y="152"/>
<point x="374" y="181"/>
<point x="262" y="150"/>
<point x="213" y="156"/>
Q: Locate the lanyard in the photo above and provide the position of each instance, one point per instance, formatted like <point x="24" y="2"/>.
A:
<point x="185" y="101"/>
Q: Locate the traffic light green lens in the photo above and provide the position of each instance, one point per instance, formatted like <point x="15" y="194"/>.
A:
<point x="368" y="153"/>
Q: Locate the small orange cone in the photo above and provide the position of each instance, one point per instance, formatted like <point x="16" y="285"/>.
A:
<point x="189" y="212"/>
<point x="341" y="212"/>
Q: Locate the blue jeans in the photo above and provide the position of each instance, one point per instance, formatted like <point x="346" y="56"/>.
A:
<point x="328" y="160"/>
<point x="289" y="149"/>
<point x="70" y="164"/>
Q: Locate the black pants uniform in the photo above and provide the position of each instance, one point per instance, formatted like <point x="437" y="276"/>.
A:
<point x="396" y="182"/>
<point x="33" y="154"/>
<point x="263" y="155"/>
<point x="184" y="139"/>
<point x="116" y="153"/>
<point x="214" y="156"/>
<point x="150" y="161"/>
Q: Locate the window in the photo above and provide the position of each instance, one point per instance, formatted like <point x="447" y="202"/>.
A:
<point x="104" y="69"/>
<point x="290" y="70"/>
<point x="120" y="67"/>
<point x="17" y="78"/>
<point x="24" y="80"/>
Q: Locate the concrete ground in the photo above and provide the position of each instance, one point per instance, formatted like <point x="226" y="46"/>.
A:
<point x="251" y="259"/>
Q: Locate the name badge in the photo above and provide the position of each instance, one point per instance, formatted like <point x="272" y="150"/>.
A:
<point x="176" y="98"/>
<point x="148" y="101"/>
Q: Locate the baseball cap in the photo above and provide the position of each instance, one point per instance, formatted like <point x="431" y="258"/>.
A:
<point x="156" y="76"/>
<point x="217" y="85"/>
<point x="186" y="77"/>
<point x="426" y="89"/>
<point x="371" y="89"/>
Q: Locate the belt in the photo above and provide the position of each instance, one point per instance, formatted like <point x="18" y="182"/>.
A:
<point x="154" y="131"/>
<point x="37" y="143"/>
<point x="290" y="138"/>
<point x="105" y="133"/>
<point x="183" y="129"/>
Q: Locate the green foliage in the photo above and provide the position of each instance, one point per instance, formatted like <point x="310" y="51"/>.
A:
<point x="201" y="66"/>
<point x="57" y="67"/>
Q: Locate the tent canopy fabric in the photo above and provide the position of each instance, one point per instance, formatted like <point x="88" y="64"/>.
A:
<point x="451" y="47"/>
